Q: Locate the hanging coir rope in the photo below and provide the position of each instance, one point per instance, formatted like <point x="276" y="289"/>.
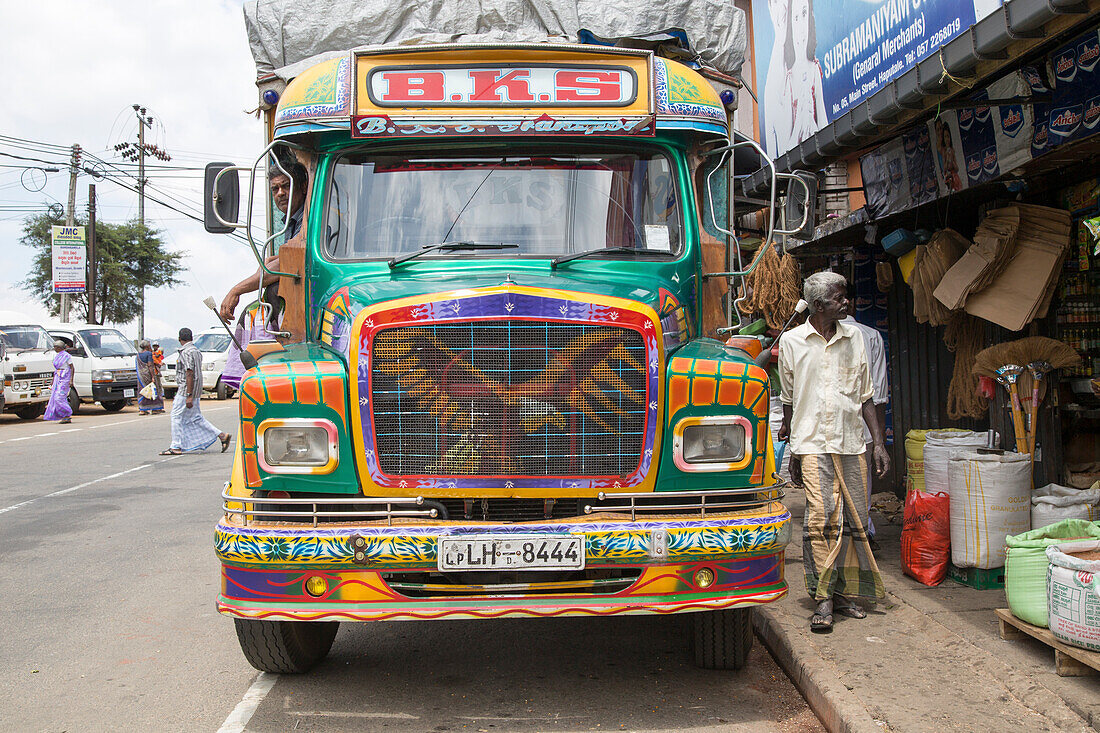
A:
<point x="963" y="335"/>
<point x="774" y="288"/>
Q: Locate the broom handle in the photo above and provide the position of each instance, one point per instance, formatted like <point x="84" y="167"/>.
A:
<point x="1033" y="409"/>
<point x="1018" y="419"/>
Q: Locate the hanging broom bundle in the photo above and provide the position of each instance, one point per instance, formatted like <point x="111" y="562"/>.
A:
<point x="1016" y="365"/>
<point x="963" y="336"/>
<point x="774" y="288"/>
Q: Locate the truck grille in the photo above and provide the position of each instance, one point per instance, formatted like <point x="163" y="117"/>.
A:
<point x="42" y="380"/>
<point x="509" y="398"/>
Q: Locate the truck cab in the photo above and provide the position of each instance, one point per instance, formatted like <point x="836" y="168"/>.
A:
<point x="103" y="364"/>
<point x="496" y="393"/>
<point x="27" y="356"/>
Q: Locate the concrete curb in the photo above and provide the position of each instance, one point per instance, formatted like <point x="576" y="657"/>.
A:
<point x="834" y="704"/>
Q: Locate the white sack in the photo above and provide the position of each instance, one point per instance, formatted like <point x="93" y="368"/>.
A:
<point x="1053" y="503"/>
<point x="938" y="446"/>
<point x="1073" y="594"/>
<point x="990" y="499"/>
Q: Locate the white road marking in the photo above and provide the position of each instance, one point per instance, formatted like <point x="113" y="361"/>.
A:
<point x="71" y="489"/>
<point x="255" y="695"/>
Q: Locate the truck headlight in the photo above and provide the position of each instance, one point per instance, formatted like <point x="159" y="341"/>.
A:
<point x="208" y="366"/>
<point x="296" y="445"/>
<point x="717" y="443"/>
<point x="102" y="375"/>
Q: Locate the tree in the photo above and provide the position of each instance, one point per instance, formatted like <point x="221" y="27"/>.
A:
<point x="126" y="262"/>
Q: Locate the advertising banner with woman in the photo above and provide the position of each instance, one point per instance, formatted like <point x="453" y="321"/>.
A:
<point x="816" y="59"/>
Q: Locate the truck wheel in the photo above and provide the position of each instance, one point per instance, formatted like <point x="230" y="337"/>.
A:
<point x="30" y="412"/>
<point x="113" y="405"/>
<point x="221" y="390"/>
<point x="723" y="638"/>
<point x="74" y="400"/>
<point x="285" y="647"/>
<point x="169" y="392"/>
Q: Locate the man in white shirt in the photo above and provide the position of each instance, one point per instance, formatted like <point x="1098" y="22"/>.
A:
<point x="826" y="386"/>
<point x="876" y="358"/>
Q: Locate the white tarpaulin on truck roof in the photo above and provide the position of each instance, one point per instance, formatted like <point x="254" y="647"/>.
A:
<point x="289" y="36"/>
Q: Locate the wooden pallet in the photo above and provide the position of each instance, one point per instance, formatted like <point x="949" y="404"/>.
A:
<point x="1069" y="661"/>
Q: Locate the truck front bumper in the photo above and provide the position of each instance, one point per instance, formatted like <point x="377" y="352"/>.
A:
<point x="371" y="571"/>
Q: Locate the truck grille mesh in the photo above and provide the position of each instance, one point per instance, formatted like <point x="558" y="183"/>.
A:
<point x="509" y="398"/>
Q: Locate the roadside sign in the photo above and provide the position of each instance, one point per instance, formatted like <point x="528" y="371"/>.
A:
<point x="70" y="255"/>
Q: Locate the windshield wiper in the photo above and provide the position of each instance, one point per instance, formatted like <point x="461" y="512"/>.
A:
<point x="449" y="246"/>
<point x="602" y="250"/>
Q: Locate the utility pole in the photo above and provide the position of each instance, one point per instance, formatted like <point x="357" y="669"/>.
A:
<point x="70" y="215"/>
<point x="91" y="286"/>
<point x="138" y="153"/>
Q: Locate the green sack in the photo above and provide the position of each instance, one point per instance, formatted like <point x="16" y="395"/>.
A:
<point x="1026" y="565"/>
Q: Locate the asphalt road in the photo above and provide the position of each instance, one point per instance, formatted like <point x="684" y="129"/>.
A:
<point x="108" y="580"/>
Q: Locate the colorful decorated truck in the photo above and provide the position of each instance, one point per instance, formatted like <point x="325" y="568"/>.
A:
<point x="494" y="393"/>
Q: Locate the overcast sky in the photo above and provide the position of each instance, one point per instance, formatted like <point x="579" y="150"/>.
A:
<point x="72" y="71"/>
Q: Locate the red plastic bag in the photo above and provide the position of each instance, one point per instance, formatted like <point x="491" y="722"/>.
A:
<point x="926" y="536"/>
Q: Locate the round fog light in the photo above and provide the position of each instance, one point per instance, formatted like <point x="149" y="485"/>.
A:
<point x="704" y="578"/>
<point x="316" y="586"/>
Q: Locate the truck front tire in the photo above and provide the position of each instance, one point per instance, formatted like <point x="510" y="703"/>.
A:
<point x="74" y="400"/>
<point x="113" y="405"/>
<point x="722" y="638"/>
<point x="285" y="647"/>
<point x="221" y="391"/>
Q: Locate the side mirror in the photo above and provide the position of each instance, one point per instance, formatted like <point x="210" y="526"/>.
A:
<point x="800" y="210"/>
<point x="221" y="198"/>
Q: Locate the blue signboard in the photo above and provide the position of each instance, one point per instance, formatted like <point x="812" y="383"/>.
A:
<point x="817" y="60"/>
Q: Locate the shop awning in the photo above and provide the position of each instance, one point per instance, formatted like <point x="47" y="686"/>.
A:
<point x="991" y="46"/>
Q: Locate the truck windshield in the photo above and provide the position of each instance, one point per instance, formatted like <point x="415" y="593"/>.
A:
<point x="212" y="342"/>
<point x="107" y="342"/>
<point x="26" y="337"/>
<point x="549" y="204"/>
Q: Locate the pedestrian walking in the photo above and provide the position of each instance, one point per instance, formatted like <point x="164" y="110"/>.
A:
<point x="148" y="373"/>
<point x="191" y="432"/>
<point x="58" y="408"/>
<point x="826" y="387"/>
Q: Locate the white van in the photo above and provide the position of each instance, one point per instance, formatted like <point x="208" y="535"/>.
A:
<point x="214" y="345"/>
<point x="26" y="366"/>
<point x="103" y="360"/>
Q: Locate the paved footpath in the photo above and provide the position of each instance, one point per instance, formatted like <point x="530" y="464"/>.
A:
<point x="927" y="659"/>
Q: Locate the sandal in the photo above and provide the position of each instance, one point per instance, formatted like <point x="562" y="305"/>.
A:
<point x="848" y="608"/>
<point x="821" y="623"/>
<point x="225" y="442"/>
<point x="171" y="452"/>
<point x="822" y="620"/>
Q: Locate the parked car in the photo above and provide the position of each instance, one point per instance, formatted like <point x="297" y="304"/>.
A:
<point x="103" y="360"/>
<point x="26" y="366"/>
<point x="214" y="345"/>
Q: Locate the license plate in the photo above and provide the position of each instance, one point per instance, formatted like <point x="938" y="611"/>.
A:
<point x="513" y="552"/>
<point x="127" y="393"/>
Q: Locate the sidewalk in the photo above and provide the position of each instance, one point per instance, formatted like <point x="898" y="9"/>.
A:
<point x="924" y="659"/>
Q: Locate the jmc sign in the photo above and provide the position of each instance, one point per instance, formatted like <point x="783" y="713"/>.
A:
<point x="502" y="86"/>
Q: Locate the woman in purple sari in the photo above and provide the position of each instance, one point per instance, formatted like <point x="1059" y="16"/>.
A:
<point x="58" y="407"/>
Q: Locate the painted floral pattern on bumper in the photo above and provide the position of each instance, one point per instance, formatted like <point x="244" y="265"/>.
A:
<point x="415" y="546"/>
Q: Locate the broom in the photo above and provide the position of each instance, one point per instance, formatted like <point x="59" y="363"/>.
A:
<point x="1043" y="355"/>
